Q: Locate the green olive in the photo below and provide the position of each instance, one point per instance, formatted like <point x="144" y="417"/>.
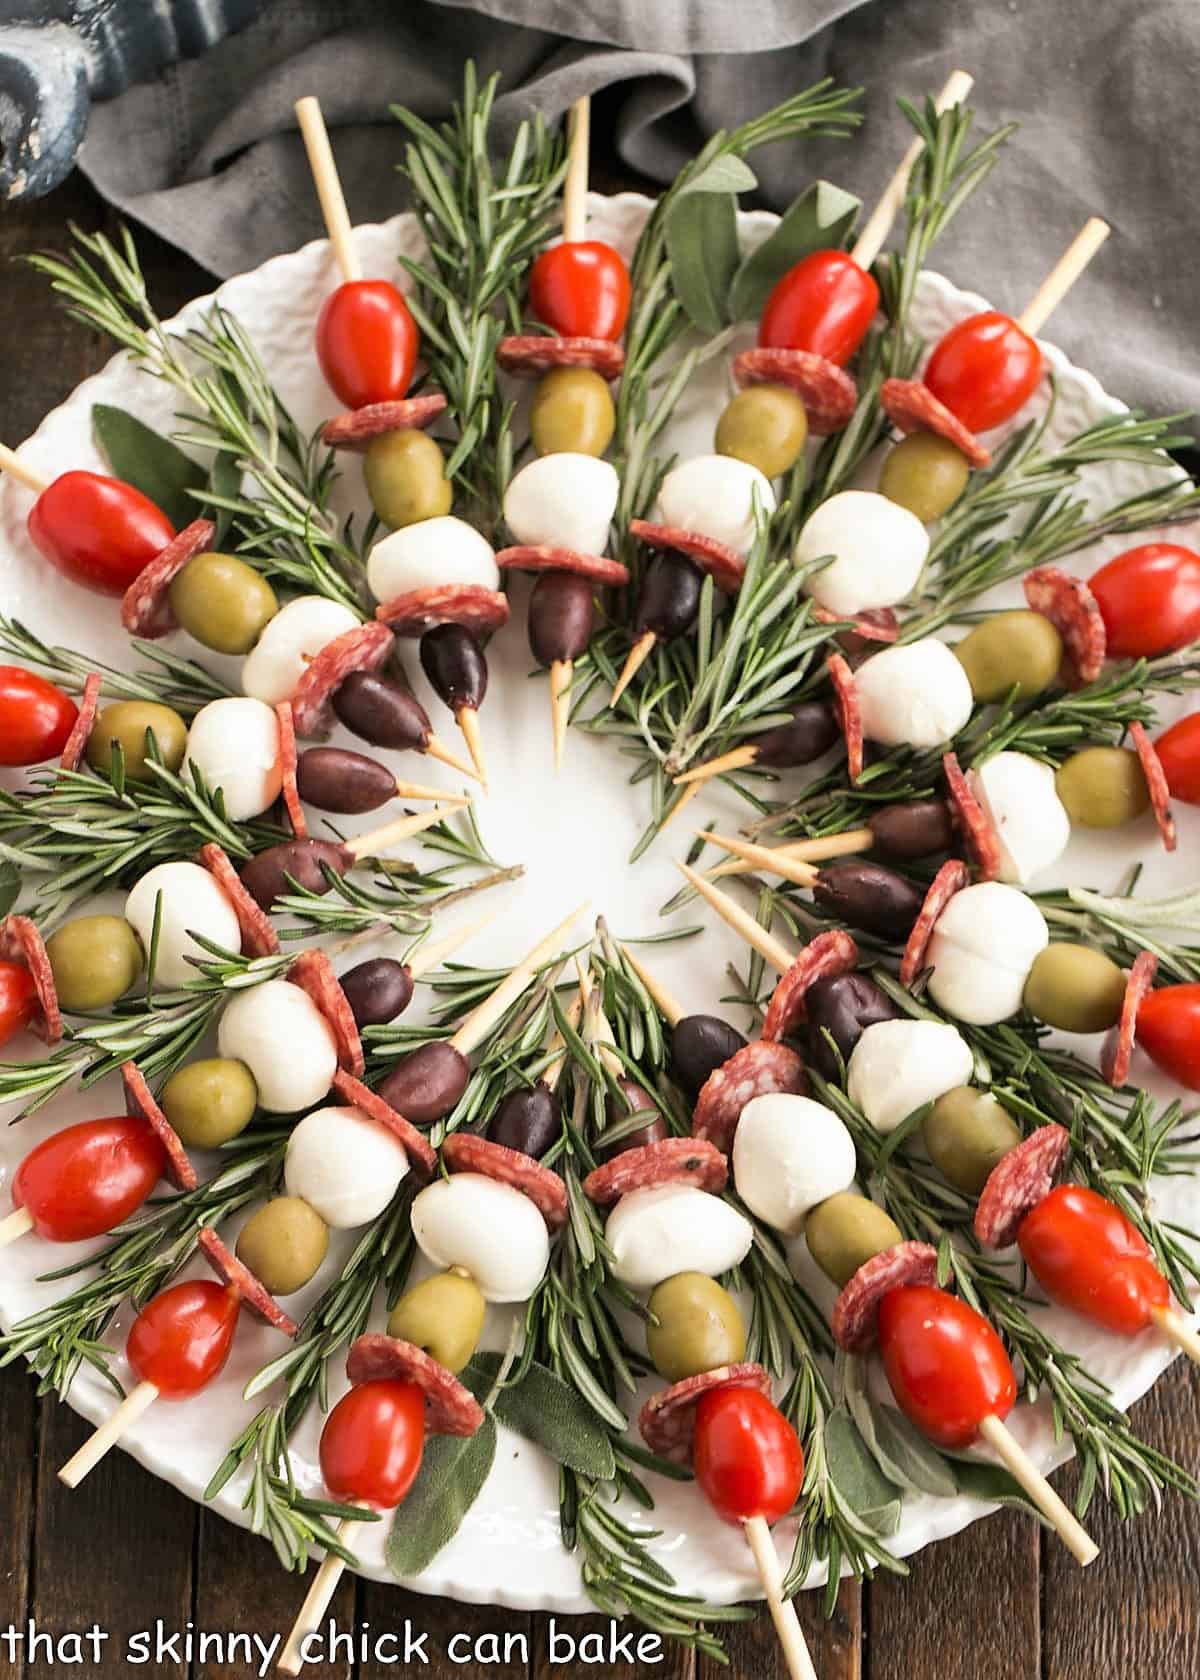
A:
<point x="1103" y="787"/>
<point x="765" y="425"/>
<point x="222" y="602"/>
<point x="925" y="474"/>
<point x="406" y="478"/>
<point x="572" y="410"/>
<point x="127" y="721"/>
<point x="1075" y="989"/>
<point x="208" y="1102"/>
<point x="1018" y="650"/>
<point x="699" y="1327"/>
<point x="444" y="1315"/>
<point x="966" y="1132"/>
<point x="845" y="1231"/>
<point x="95" y="960"/>
<point x="284" y="1244"/>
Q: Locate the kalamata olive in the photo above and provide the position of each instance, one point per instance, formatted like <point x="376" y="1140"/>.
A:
<point x="210" y="1101"/>
<point x="1075" y="988"/>
<point x="916" y="828"/>
<point x="844" y="1007"/>
<point x="967" y="1131"/>
<point x="636" y="1100"/>
<point x="766" y="425"/>
<point x="561" y="617"/>
<point x="406" y="478"/>
<point x="845" y="1231"/>
<point x="377" y="990"/>
<point x="426" y="1085"/>
<point x="870" y="897"/>
<point x="94" y="960"/>
<point x="670" y="596"/>
<point x="443" y="1314"/>
<point x="1018" y="650"/>
<point x="926" y="474"/>
<point x="381" y="711"/>
<point x="347" y="782"/>
<point x="126" y="722"/>
<point x="284" y="1244"/>
<point x="221" y="601"/>
<point x="1102" y="787"/>
<point x="700" y="1044"/>
<point x="456" y="667"/>
<point x="699" y="1327"/>
<point x="265" y="876"/>
<point x="527" y="1119"/>
<point x="572" y="411"/>
<point x="811" y="731"/>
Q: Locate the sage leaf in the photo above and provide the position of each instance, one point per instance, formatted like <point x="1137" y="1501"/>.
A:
<point x="150" y="462"/>
<point x="702" y="244"/>
<point x="727" y="174"/>
<point x="857" y="1476"/>
<point x="993" y="1484"/>
<point x="453" y="1471"/>
<point x="905" y="1456"/>
<point x="10" y="885"/>
<point x="819" y="220"/>
<point x="548" y="1412"/>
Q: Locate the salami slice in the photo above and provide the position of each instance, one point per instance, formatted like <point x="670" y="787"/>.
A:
<point x="912" y="407"/>
<point x="450" y="1408"/>
<point x="543" y="557"/>
<point x="952" y="877"/>
<point x="145" y="608"/>
<point x="848" y="712"/>
<point x="723" y="564"/>
<point x="674" y="1160"/>
<point x="529" y="357"/>
<point x="365" y="648"/>
<point x="874" y="624"/>
<point x="1075" y="613"/>
<point x="981" y="838"/>
<point x="140" y="1100"/>
<point x="422" y="1157"/>
<point x="830" y="953"/>
<point x="668" y="1419"/>
<point x="357" y="428"/>
<point x="313" y="972"/>
<point x="756" y="1070"/>
<point x="855" y="1320"/>
<point x="1018" y="1182"/>
<point x="259" y="938"/>
<point x="230" y="1270"/>
<point x="467" y="1152"/>
<point x="287" y="764"/>
<point x="826" y="390"/>
<point x="1156" y="782"/>
<point x="20" y="942"/>
<point x="476" y="608"/>
<point x="76" y="742"/>
<point x="1117" y="1053"/>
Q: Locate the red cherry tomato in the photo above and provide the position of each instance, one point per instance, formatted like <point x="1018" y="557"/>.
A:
<point x="1179" y="753"/>
<point x="825" y="304"/>
<point x="98" y="531"/>
<point x="581" y="289"/>
<point x="1149" y="599"/>
<point x="747" y="1457"/>
<point x="984" y="369"/>
<point x="35" y="717"/>
<point x="946" y="1365"/>
<point x="1087" y="1256"/>
<point x="366" y="342"/>
<point x="88" y="1178"/>
<point x="181" y="1339"/>
<point x="372" y="1443"/>
<point x="1168" y="1030"/>
<point x="18" y="999"/>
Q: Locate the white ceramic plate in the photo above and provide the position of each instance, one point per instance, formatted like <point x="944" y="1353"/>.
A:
<point x="573" y="833"/>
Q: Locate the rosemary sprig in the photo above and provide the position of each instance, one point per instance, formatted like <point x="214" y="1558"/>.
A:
<point x="170" y="679"/>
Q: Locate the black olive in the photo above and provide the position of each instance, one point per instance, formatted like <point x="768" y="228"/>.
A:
<point x="700" y="1044"/>
<point x="561" y="617"/>
<point x="381" y="711"/>
<point x="527" y="1119"/>
<point x="377" y="990"/>
<point x="844" y="1006"/>
<point x="870" y="897"/>
<point x="916" y="828"/>
<point x="428" y="1083"/>
<point x="636" y="1099"/>
<point x="264" y="877"/>
<point x="454" y="663"/>
<point x="670" y="596"/>
<point x="347" y="782"/>
<point x="811" y="731"/>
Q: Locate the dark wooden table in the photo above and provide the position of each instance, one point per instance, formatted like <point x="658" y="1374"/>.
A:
<point x="125" y="1551"/>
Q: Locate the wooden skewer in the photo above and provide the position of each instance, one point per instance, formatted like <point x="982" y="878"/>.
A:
<point x="467" y="719"/>
<point x="429" y="956"/>
<point x="685" y="799"/>
<point x="1063" y="275"/>
<point x="772" y="858"/>
<point x="602" y="1034"/>
<point x="561" y="673"/>
<point x="1177" y="1329"/>
<point x="329" y="188"/>
<point x="576" y="184"/>
<point x="783" y="1611"/>
<point x="484" y="1016"/>
<point x="18" y="1223"/>
<point x="12" y="464"/>
<point x="439" y="750"/>
<point x="736" y="759"/>
<point x="418" y="790"/>
<point x="137" y="1401"/>
<point x="634" y="660"/>
<point x="852" y="840"/>
<point x="316" y="1601"/>
<point x="879" y="224"/>
<point x="669" y="1007"/>
<point x="369" y="845"/>
<point x="741" y="921"/>
<point x="1018" y="1463"/>
<point x="558" y="1045"/>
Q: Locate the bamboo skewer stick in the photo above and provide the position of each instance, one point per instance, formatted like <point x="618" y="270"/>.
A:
<point x="1063" y="275"/>
<point x="329" y="187"/>
<point x="561" y="673"/>
<point x="418" y="790"/>
<point x="1177" y="1329"/>
<point x="467" y="719"/>
<point x="558" y="1046"/>
<point x="15" y="467"/>
<point x="878" y="225"/>
<point x="430" y="956"/>
<point x="668" y="1006"/>
<point x="18" y="1224"/>
<point x="137" y="1401"/>
<point x="772" y="858"/>
<point x="483" y="1017"/>
<point x="689" y="793"/>
<point x="783" y="1611"/>
<point x="576" y="185"/>
<point x="850" y="842"/>
<point x="602" y="1034"/>
<point x="316" y="1601"/>
<point x="741" y="921"/>
<point x="403" y="828"/>
<point x="439" y="750"/>
<point x="736" y="759"/>
<point x="634" y="660"/>
<point x="1023" y="1470"/>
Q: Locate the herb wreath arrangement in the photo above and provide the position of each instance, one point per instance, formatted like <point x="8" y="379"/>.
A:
<point x="814" y="537"/>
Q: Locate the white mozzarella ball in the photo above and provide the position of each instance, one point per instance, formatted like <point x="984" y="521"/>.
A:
<point x="916" y="695"/>
<point x="235" y="746"/>
<point x="1030" y="821"/>
<point x="565" y="500"/>
<point x="716" y="495"/>
<point x="674" y="1228"/>
<point x="192" y="902"/>
<point x="344" y="1165"/>
<point x="898" y="1066"/>
<point x="983" y="946"/>
<point x="433" y="551"/>
<point x="289" y="642"/>
<point x="878" y="550"/>
<point x="492" y="1231"/>
<point x="285" y="1041"/>
<point x="789" y="1154"/>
